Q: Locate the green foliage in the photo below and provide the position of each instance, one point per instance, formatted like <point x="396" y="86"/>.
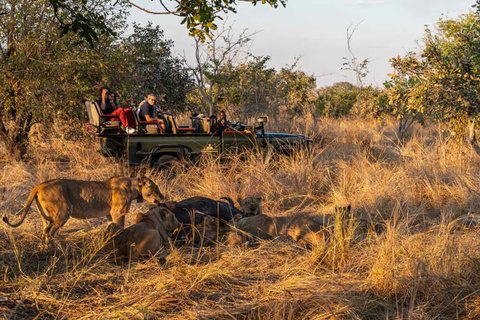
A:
<point x="82" y="18"/>
<point x="443" y="81"/>
<point x="250" y="89"/>
<point x="255" y="89"/>
<point x="343" y="98"/>
<point x="155" y="69"/>
<point x="336" y="100"/>
<point x="40" y="69"/>
<point x="199" y="16"/>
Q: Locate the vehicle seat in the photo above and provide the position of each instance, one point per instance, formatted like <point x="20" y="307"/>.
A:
<point x="149" y="127"/>
<point x="201" y="123"/>
<point x="170" y="122"/>
<point x="99" y="121"/>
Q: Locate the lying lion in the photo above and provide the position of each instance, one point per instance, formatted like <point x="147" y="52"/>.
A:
<point x="302" y="229"/>
<point x="58" y="200"/>
<point x="145" y="238"/>
<point x="250" y="206"/>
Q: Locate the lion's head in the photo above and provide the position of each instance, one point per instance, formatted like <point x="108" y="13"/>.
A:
<point x="150" y="191"/>
<point x="250" y="206"/>
<point x="169" y="220"/>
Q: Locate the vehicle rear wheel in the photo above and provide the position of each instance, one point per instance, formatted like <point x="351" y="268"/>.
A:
<point x="169" y="164"/>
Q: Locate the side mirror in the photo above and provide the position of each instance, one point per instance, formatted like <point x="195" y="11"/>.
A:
<point x="262" y="119"/>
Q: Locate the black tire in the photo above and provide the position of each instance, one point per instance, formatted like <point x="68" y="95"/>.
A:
<point x="168" y="163"/>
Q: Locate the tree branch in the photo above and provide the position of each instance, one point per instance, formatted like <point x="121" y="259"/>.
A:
<point x="153" y="12"/>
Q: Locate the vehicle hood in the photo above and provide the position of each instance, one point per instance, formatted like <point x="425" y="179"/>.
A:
<point x="282" y="137"/>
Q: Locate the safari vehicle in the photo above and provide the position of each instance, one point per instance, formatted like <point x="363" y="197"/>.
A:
<point x="203" y="136"/>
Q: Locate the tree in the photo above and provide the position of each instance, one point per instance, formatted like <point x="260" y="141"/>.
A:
<point x="295" y="88"/>
<point x="252" y="89"/>
<point x="443" y="81"/>
<point x="405" y="91"/>
<point x="360" y="68"/>
<point x="336" y="100"/>
<point x="155" y="69"/>
<point x="43" y="74"/>
<point x="451" y="70"/>
<point x="215" y="60"/>
<point x="198" y="16"/>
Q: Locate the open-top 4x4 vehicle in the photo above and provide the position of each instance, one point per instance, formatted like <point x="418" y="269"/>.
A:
<point x="203" y="136"/>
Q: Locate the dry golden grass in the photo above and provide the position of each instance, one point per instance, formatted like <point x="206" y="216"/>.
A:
<point x="397" y="258"/>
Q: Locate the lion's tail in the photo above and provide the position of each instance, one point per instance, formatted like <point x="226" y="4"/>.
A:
<point x="30" y="199"/>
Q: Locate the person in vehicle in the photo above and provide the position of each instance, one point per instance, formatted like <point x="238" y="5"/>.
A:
<point x="108" y="104"/>
<point x="222" y="122"/>
<point x="146" y="112"/>
<point x="222" y="119"/>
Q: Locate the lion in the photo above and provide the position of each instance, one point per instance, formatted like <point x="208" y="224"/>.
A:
<point x="58" y="200"/>
<point x="301" y="229"/>
<point x="145" y="238"/>
<point x="250" y="206"/>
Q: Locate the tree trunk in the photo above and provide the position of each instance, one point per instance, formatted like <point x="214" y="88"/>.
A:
<point x="16" y="139"/>
<point x="471" y="137"/>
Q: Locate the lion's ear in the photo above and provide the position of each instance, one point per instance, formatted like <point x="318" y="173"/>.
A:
<point x="259" y="199"/>
<point x="237" y="217"/>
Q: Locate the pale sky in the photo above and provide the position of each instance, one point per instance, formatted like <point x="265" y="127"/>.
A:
<point x="316" y="31"/>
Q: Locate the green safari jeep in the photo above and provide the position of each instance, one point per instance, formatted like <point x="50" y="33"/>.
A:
<point x="203" y="136"/>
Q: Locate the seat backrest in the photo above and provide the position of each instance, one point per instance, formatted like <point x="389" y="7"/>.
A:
<point x="201" y="123"/>
<point x="171" y="123"/>
<point x="93" y="112"/>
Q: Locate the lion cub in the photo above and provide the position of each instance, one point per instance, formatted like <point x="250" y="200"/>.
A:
<point x="145" y="238"/>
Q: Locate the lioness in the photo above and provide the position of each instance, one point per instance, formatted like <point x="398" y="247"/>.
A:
<point x="302" y="229"/>
<point x="58" y="200"/>
<point x="143" y="239"/>
<point x="250" y="206"/>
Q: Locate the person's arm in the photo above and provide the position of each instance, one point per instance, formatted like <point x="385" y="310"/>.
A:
<point x="103" y="105"/>
<point x="148" y="118"/>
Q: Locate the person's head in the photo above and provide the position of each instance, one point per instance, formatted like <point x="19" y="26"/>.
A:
<point x="102" y="90"/>
<point x="151" y="99"/>
<point x="222" y="114"/>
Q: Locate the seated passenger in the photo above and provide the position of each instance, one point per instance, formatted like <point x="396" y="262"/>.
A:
<point x="222" y="122"/>
<point x="108" y="104"/>
<point x="145" y="112"/>
<point x="222" y="119"/>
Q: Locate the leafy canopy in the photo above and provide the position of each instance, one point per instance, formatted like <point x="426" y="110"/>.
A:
<point x="199" y="16"/>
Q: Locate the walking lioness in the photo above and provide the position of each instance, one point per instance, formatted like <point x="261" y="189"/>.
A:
<point x="58" y="200"/>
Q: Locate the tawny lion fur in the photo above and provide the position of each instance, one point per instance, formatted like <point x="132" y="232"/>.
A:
<point x="250" y="206"/>
<point x="143" y="239"/>
<point x="58" y="200"/>
<point x="301" y="229"/>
